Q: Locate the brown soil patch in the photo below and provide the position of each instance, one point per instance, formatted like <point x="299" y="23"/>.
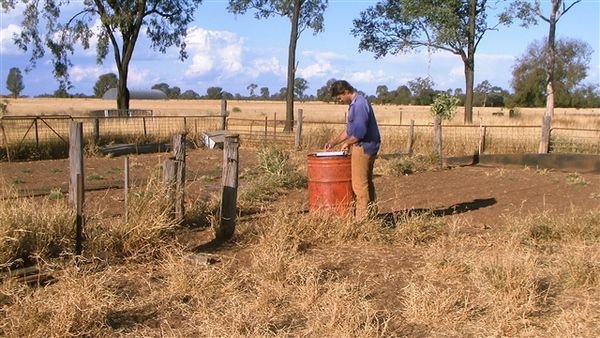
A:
<point x="478" y="195"/>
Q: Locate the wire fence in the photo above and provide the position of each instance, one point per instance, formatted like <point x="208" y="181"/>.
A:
<point x="28" y="136"/>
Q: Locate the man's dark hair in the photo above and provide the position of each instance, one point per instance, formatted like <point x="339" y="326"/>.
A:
<point x="339" y="87"/>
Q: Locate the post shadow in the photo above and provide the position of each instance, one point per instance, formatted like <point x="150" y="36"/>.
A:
<point x="391" y="218"/>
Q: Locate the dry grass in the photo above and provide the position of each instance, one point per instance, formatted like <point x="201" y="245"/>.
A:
<point x="313" y="111"/>
<point x="287" y="273"/>
<point x="520" y="281"/>
<point x="254" y="120"/>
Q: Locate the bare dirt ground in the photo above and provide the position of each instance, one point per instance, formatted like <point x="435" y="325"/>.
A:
<point x="481" y="198"/>
<point x="480" y="195"/>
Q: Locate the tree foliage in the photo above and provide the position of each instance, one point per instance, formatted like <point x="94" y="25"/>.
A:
<point x="444" y="106"/>
<point x="398" y="26"/>
<point x="251" y="88"/>
<point x="300" y="86"/>
<point x="104" y="83"/>
<point x="171" y="92"/>
<point x="530" y="72"/>
<point x="14" y="82"/>
<point x="422" y="91"/>
<point x="264" y="92"/>
<point x="121" y="22"/>
<point x="323" y="93"/>
<point x="529" y="11"/>
<point x="214" y="93"/>
<point x="302" y="14"/>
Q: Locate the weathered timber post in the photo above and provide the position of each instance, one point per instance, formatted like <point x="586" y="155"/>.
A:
<point x="5" y="140"/>
<point x="400" y="115"/>
<point x="170" y="182"/>
<point x="96" y="128"/>
<point x="410" y="140"/>
<point x="179" y="156"/>
<point x="75" y="159"/>
<point x="545" y="138"/>
<point x="126" y="187"/>
<point x="174" y="178"/>
<point x="437" y="141"/>
<point x="275" y="125"/>
<point x="225" y="228"/>
<point x="37" y="133"/>
<point x="145" y="130"/>
<point x="223" y="115"/>
<point x="298" y="133"/>
<point x="266" y="127"/>
<point x="79" y="219"/>
<point x="482" y="134"/>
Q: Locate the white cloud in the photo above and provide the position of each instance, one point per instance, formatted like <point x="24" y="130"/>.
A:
<point x="370" y="77"/>
<point x="321" y="66"/>
<point x="214" y="51"/>
<point x="141" y="78"/>
<point x="267" y="65"/>
<point x="7" y="46"/>
<point x="90" y="73"/>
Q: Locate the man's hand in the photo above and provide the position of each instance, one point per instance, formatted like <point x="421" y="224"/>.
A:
<point x="328" y="146"/>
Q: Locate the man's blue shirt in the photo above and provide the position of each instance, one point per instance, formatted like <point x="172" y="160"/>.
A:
<point x="362" y="125"/>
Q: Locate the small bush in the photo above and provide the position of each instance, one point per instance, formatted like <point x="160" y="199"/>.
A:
<point x="400" y="166"/>
<point x="32" y="229"/>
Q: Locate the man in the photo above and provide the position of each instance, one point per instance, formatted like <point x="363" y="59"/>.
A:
<point x="361" y="136"/>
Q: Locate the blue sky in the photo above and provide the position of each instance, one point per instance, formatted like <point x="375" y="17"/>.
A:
<point x="232" y="52"/>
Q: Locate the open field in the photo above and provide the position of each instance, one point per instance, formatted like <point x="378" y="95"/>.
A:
<point x="30" y="122"/>
<point x="467" y="252"/>
<point x="313" y="111"/>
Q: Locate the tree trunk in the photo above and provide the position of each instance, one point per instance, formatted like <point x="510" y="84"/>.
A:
<point x="122" y="93"/>
<point x="469" y="63"/>
<point x="551" y="59"/>
<point x="291" y="74"/>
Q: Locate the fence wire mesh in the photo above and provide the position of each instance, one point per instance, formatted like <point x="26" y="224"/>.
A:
<point x="34" y="131"/>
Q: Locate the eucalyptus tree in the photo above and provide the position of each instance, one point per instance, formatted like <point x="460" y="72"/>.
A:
<point x="300" y="86"/>
<point x="58" y="26"/>
<point x="264" y="92"/>
<point x="529" y="11"/>
<point x="400" y="26"/>
<point x="104" y="83"/>
<point x="529" y="75"/>
<point x="14" y="82"/>
<point x="251" y="88"/>
<point x="302" y="14"/>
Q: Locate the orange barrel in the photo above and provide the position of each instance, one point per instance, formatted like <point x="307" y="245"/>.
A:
<point x="330" y="183"/>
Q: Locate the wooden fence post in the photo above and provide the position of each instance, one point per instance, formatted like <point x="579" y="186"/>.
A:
<point x="5" y="140"/>
<point x="170" y="182"/>
<point x="400" y="114"/>
<point x="79" y="219"/>
<point x="226" y="226"/>
<point x="298" y="134"/>
<point x="410" y="140"/>
<point x="96" y="132"/>
<point x="223" y="115"/>
<point x="126" y="187"/>
<point x="482" y="134"/>
<point x="75" y="159"/>
<point x="266" y="127"/>
<point x="437" y="141"/>
<point x="545" y="138"/>
<point x="179" y="157"/>
<point x="145" y="130"/>
<point x="37" y="133"/>
<point x="275" y="125"/>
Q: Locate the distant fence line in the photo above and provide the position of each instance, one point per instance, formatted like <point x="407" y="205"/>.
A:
<point x="34" y="131"/>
